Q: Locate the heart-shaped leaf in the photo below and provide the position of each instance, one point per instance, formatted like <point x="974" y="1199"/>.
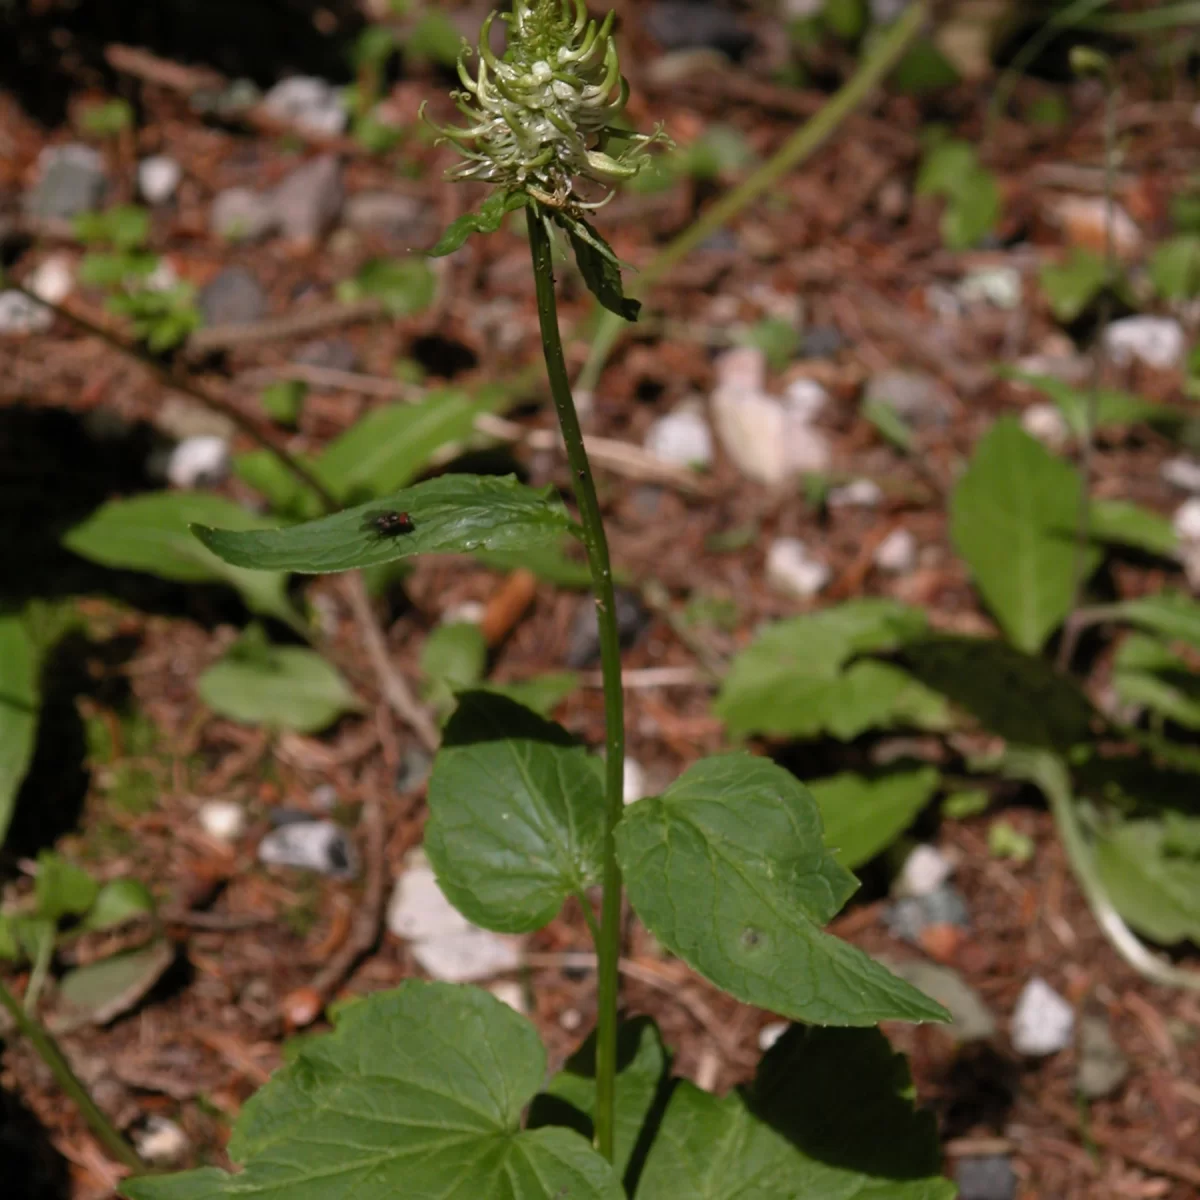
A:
<point x="150" y="533"/>
<point x="20" y="666"/>
<point x="830" y="1116"/>
<point x="450" y="514"/>
<point x="418" y="1092"/>
<point x="728" y="869"/>
<point x="516" y="815"/>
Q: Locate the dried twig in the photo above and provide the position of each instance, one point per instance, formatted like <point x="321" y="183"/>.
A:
<point x="310" y="320"/>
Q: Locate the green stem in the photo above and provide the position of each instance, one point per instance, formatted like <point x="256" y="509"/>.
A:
<point x="801" y="145"/>
<point x="608" y="947"/>
<point x="49" y="1052"/>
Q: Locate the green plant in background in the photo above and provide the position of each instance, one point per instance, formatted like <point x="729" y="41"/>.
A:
<point x="951" y="169"/>
<point x="422" y="1089"/>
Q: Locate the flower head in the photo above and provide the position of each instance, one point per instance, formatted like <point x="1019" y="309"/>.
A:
<point x="540" y="119"/>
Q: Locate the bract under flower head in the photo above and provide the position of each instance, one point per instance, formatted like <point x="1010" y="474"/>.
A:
<point x="540" y="119"/>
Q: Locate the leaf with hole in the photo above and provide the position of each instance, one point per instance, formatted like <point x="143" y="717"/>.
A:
<point x="516" y="815"/>
<point x="450" y="514"/>
<point x="829" y="1115"/>
<point x="281" y="687"/>
<point x="438" y="1113"/>
<point x="727" y="868"/>
<point x="150" y="533"/>
<point x="20" y="702"/>
<point x="1008" y="518"/>
<point x="863" y="815"/>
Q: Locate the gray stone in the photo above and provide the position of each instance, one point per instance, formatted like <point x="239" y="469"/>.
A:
<point x="336" y="354"/>
<point x="308" y="103"/>
<point x="920" y="399"/>
<point x="680" y="26"/>
<point x="971" y="1019"/>
<point x="909" y="916"/>
<point x="584" y="646"/>
<point x="1101" y="1067"/>
<point x="307" y="202"/>
<point x="158" y="177"/>
<point x="318" y="846"/>
<point x="384" y="212"/>
<point x="20" y="315"/>
<point x="234" y="297"/>
<point x="72" y="181"/>
<point x="986" y="1177"/>
<point x="1043" y="1022"/>
<point x="1159" y="342"/>
<point x="681" y="438"/>
<point x="821" y="341"/>
<point x="242" y="215"/>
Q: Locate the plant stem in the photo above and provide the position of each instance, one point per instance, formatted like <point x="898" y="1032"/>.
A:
<point x="49" y="1052"/>
<point x="800" y="146"/>
<point x="608" y="947"/>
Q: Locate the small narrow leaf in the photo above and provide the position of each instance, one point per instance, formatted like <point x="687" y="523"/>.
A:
<point x="1172" y="615"/>
<point x="1123" y="523"/>
<point x="729" y="871"/>
<point x="450" y="514"/>
<point x="487" y="219"/>
<point x="417" y="1092"/>
<point x="599" y="266"/>
<point x="516" y="815"/>
<point x="20" y="667"/>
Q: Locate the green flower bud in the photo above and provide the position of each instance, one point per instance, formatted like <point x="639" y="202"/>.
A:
<point x="540" y="119"/>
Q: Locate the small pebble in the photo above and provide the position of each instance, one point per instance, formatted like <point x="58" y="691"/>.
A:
<point x="71" y="181"/>
<point x="20" y="315"/>
<point x="821" y="341"/>
<point x="300" y="1008"/>
<point x="198" y="462"/>
<point x="224" y="820"/>
<point x="158" y="177"/>
<point x="635" y="781"/>
<point x="860" y="493"/>
<point x="319" y="846"/>
<point x="53" y="279"/>
<point x="469" y="612"/>
<point x="997" y="286"/>
<point x="805" y="399"/>
<point x="413" y="770"/>
<point x="1086" y="221"/>
<point x="324" y="797"/>
<point x="1186" y="521"/>
<point x="161" y="1141"/>
<point x="920" y="399"/>
<point x="1182" y="472"/>
<point x="1043" y="1022"/>
<point x="925" y="870"/>
<point x="792" y="571"/>
<point x="510" y="992"/>
<point x="986" y="1177"/>
<point x="583" y="647"/>
<point x="681" y="438"/>
<point x="1101" y="1066"/>
<point x="897" y="553"/>
<point x="234" y="297"/>
<point x="1159" y="342"/>
<point x="1046" y="423"/>
<point x="743" y="368"/>
<point x="309" y="103"/>
<point x="909" y="916"/>
<point x="241" y="214"/>
<point x="971" y="1019"/>
<point x="308" y="200"/>
<point x="570" y="1019"/>
<point x="383" y="212"/>
<point x="768" y="1035"/>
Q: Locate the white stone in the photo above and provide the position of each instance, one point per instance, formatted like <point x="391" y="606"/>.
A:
<point x="768" y="1035"/>
<point x="681" y="438"/>
<point x="924" y="871"/>
<point x="308" y="103"/>
<point x="241" y="214"/>
<point x="198" y="461"/>
<point x="635" y="787"/>
<point x="467" y="957"/>
<point x="308" y="200"/>
<point x="324" y="797"/>
<point x="468" y="612"/>
<point x="750" y="425"/>
<point x="158" y="177"/>
<point x="744" y="368"/>
<point x="1043" y="1022"/>
<point x="859" y="493"/>
<point x="792" y="571"/>
<point x="1046" y="422"/>
<point x="1086" y="218"/>
<point x="418" y="909"/>
<point x="509" y="992"/>
<point x="897" y="553"/>
<point x="312" y="846"/>
<point x="805" y="399"/>
<point x="53" y="279"/>
<point x="163" y="278"/>
<point x="20" y="314"/>
<point x="997" y="286"/>
<point x="224" y="820"/>
<point x="162" y="1142"/>
<point x="1182" y="472"/>
<point x="1159" y="342"/>
<point x="570" y="1019"/>
<point x="1186" y="521"/>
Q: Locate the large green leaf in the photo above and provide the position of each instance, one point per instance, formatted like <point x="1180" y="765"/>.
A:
<point x="830" y="1117"/>
<point x="1155" y="890"/>
<point x="417" y="1093"/>
<point x="450" y="514"/>
<point x="1007" y="518"/>
<point x="150" y="533"/>
<point x="797" y="679"/>
<point x="728" y="869"/>
<point x="283" y="687"/>
<point x="642" y="1089"/>
<point x="20" y="667"/>
<point x="516" y="815"/>
<point x="1148" y="673"/>
<point x="863" y="816"/>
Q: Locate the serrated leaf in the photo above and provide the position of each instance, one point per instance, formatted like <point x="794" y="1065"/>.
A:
<point x="599" y="266"/>
<point x="1150" y="674"/>
<point x="830" y="1116"/>
<point x="150" y="533"/>
<point x="281" y="687"/>
<point x="20" y="702"/>
<point x="417" y="1092"/>
<point x="641" y="1092"/>
<point x="727" y="868"/>
<point x="450" y="514"/>
<point x="1156" y="891"/>
<point x="796" y="679"/>
<point x="486" y="219"/>
<point x="1008" y="515"/>
<point x="61" y="888"/>
<point x="516" y="815"/>
<point x="863" y="816"/>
